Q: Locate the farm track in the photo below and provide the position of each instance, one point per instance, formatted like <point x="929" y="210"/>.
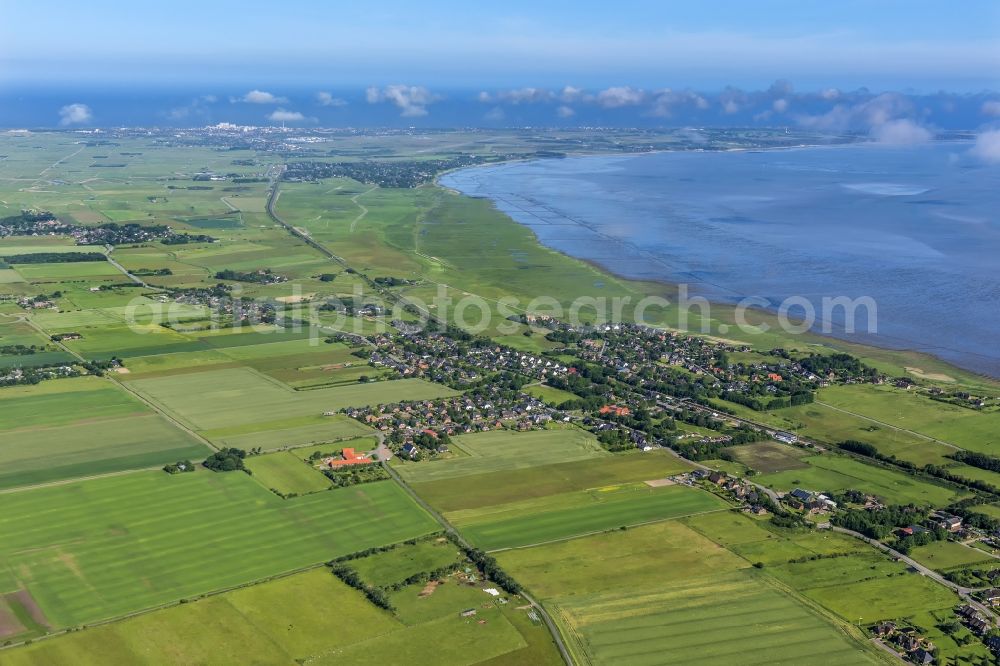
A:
<point x="364" y="210"/>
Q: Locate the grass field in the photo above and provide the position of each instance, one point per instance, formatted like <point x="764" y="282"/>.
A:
<point x="283" y="433"/>
<point x="216" y="399"/>
<point x="836" y="473"/>
<point x="274" y="622"/>
<point x="550" y="395"/>
<point x="277" y="622"/>
<point x="80" y="427"/>
<point x="688" y="600"/>
<point x="504" y="451"/>
<point x="849" y="579"/>
<point x="769" y="457"/>
<point x="286" y="473"/>
<point x="896" y="595"/>
<point x="398" y="564"/>
<point x="966" y="428"/>
<point x="556" y="517"/>
<point x="485" y="489"/>
<point x="96" y="549"/>
<point x="828" y="425"/>
<point x="942" y="555"/>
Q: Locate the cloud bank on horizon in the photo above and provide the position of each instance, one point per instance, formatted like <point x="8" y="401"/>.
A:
<point x="890" y="117"/>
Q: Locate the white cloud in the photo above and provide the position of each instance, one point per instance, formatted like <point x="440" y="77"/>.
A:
<point x="74" y="114"/>
<point x="987" y="146"/>
<point x="197" y="108"/>
<point x="570" y="94"/>
<point x="991" y="108"/>
<point x="518" y="96"/>
<point x="830" y="94"/>
<point x="887" y="117"/>
<point x="327" y="99"/>
<point x="732" y="100"/>
<point x="565" y="112"/>
<point x="411" y="100"/>
<point x="665" y="100"/>
<point x="619" y="96"/>
<point x="526" y="96"/>
<point x="260" y="97"/>
<point x="495" y="114"/>
<point x="780" y="105"/>
<point x="900" y="132"/>
<point x="780" y="88"/>
<point x="285" y="116"/>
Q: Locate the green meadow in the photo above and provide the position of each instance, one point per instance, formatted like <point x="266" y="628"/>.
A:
<point x="398" y="564"/>
<point x="503" y="451"/>
<point x="687" y="600"/>
<point x="488" y="488"/>
<point x="965" y="428"/>
<point x="631" y="573"/>
<point x="277" y="622"/>
<point x="837" y="473"/>
<point x="97" y="549"/>
<point x="80" y="427"/>
<point x="286" y="473"/>
<point x="563" y="516"/>
<point x="216" y="399"/>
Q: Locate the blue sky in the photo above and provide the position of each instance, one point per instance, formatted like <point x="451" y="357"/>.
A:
<point x="921" y="45"/>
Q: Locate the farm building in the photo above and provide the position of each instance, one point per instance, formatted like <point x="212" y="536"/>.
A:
<point x="349" y="457"/>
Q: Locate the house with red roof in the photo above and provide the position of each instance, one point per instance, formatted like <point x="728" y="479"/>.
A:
<point x="349" y="457"/>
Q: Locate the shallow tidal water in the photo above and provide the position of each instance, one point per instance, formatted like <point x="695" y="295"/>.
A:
<point x="915" y="228"/>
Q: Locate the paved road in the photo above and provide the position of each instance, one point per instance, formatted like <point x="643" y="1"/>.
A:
<point x="134" y="278"/>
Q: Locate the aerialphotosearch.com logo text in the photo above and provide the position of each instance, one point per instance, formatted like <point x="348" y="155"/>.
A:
<point x="362" y="313"/>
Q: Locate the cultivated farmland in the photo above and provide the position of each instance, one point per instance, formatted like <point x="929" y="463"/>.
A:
<point x="688" y="601"/>
<point x="571" y="514"/>
<point x="79" y="427"/>
<point x="286" y="474"/>
<point x="503" y="451"/>
<point x="84" y="554"/>
<point x="225" y="398"/>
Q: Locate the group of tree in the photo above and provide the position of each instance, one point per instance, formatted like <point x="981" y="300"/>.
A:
<point x="374" y="594"/>
<point x="226" y="460"/>
<point x="18" y="350"/>
<point x="179" y="467"/>
<point x="880" y="524"/>
<point x="843" y="366"/>
<point x="491" y="569"/>
<point x="980" y="460"/>
<point x="262" y="276"/>
<point x="352" y="475"/>
<point x="618" y="439"/>
<point x="53" y="257"/>
<point x="184" y="239"/>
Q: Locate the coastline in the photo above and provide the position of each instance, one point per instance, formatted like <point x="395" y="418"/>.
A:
<point x="913" y="363"/>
